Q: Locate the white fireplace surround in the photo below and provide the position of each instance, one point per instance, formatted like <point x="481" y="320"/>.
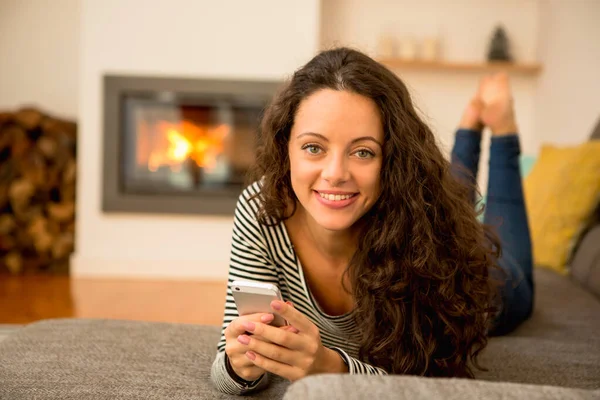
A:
<point x="260" y="39"/>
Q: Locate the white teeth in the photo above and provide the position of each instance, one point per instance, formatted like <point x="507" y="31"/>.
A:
<point x="335" y="197"/>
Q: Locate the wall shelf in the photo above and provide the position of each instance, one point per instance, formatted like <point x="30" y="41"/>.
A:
<point x="399" y="64"/>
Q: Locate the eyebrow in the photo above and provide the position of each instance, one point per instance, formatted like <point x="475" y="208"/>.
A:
<point x="371" y="138"/>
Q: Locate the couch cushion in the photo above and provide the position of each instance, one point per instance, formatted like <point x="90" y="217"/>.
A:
<point x="585" y="265"/>
<point x="99" y="359"/>
<point x="559" y="344"/>
<point x="326" y="387"/>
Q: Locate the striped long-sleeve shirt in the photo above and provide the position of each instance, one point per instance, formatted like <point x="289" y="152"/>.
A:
<point x="265" y="253"/>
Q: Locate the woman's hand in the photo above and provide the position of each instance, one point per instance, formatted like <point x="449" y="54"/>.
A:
<point x="236" y="352"/>
<point x="286" y="353"/>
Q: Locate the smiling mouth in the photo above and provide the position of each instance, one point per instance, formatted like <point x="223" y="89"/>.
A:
<point x="336" y="197"/>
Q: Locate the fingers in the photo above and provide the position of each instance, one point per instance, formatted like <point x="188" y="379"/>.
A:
<point x="235" y="351"/>
<point x="282" y="337"/>
<point x="286" y="328"/>
<point x="269" y="350"/>
<point x="289" y="328"/>
<point x="240" y="363"/>
<point x="293" y="316"/>
<point x="275" y="367"/>
<point x="236" y="327"/>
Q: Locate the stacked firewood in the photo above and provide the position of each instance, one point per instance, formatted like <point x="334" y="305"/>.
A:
<point x="37" y="191"/>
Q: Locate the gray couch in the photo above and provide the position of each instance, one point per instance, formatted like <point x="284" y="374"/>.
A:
<point x="554" y="355"/>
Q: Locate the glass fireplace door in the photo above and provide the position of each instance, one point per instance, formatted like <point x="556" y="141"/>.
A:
<point x="187" y="147"/>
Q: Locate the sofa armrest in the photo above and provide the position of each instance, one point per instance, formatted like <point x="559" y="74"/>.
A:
<point x="399" y="387"/>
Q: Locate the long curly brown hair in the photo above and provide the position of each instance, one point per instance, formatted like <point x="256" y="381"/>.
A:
<point x="420" y="274"/>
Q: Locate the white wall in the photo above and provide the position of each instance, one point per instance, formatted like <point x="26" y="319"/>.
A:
<point x="236" y="39"/>
<point x="39" y="55"/>
<point x="568" y="95"/>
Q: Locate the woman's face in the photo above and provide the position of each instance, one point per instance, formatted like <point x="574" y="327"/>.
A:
<point x="335" y="153"/>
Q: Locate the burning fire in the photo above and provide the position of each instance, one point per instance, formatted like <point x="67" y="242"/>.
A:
<point x="188" y="141"/>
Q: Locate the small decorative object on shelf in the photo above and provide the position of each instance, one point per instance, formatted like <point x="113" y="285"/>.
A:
<point x="407" y="49"/>
<point x="430" y="49"/>
<point x="386" y="47"/>
<point x="499" y="47"/>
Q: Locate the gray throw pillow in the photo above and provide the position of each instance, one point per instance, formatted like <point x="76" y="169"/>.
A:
<point x="585" y="263"/>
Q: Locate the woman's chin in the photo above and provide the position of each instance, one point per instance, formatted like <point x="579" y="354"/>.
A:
<point x="334" y="224"/>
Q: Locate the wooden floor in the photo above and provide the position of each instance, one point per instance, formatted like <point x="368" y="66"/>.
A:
<point x="25" y="299"/>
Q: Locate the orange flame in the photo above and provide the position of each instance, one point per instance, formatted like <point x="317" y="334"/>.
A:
<point x="186" y="140"/>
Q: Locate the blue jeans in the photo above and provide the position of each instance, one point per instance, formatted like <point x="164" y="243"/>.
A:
<point x="505" y="210"/>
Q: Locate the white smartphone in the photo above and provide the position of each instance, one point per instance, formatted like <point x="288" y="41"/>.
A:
<point x="256" y="297"/>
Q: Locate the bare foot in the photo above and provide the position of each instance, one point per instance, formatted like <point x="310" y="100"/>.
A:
<point x="498" y="111"/>
<point x="471" y="118"/>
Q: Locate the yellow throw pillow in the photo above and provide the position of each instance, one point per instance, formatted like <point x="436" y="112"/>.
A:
<point x="561" y="193"/>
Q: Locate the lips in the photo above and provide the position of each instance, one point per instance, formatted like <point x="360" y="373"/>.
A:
<point x="335" y="200"/>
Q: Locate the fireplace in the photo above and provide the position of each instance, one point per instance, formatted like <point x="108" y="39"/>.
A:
<point x="179" y="145"/>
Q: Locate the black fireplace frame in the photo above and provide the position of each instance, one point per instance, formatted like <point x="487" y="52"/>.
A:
<point x="115" y="200"/>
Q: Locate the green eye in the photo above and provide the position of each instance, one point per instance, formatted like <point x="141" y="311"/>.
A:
<point x="364" y="153"/>
<point x="312" y="149"/>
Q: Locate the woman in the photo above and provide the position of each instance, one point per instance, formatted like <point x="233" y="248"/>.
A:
<point x="375" y="245"/>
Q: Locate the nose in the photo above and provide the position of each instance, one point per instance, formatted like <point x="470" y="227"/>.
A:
<point x="335" y="170"/>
